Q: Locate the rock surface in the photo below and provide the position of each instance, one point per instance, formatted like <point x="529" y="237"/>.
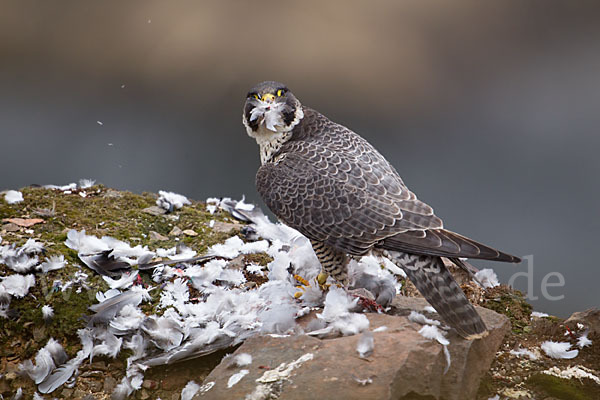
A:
<point x="589" y="318"/>
<point x="403" y="364"/>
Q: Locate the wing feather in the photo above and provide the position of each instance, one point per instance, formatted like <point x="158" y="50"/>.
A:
<point x="333" y="186"/>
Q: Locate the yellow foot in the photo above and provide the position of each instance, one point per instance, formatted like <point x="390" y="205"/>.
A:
<point x="319" y="280"/>
<point x="322" y="278"/>
<point x="303" y="284"/>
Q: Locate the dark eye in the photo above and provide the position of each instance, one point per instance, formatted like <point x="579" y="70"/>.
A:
<point x="280" y="92"/>
<point x="254" y="95"/>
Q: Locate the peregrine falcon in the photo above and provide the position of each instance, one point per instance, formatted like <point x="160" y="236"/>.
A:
<point x="330" y="184"/>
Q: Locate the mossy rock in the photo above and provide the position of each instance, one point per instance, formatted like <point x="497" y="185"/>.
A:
<point x="564" y="389"/>
<point x="511" y="303"/>
<point x="100" y="211"/>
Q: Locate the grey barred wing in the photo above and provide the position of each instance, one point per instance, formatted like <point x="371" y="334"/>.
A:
<point x="351" y="211"/>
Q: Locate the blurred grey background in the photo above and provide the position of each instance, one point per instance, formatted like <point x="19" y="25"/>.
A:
<point x="489" y="110"/>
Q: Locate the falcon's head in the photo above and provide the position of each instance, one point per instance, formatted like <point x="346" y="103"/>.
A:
<point x="270" y="106"/>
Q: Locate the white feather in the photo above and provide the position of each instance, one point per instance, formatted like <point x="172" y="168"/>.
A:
<point x="31" y="247"/>
<point x="103" y="296"/>
<point x="44" y="365"/>
<point x="524" y="352"/>
<point x="130" y="318"/>
<point x="17" y="285"/>
<point x="337" y="315"/>
<point x="243" y="359"/>
<point x="538" y="314"/>
<point x="189" y="390"/>
<point x="487" y="277"/>
<point x="235" y="378"/>
<point x="18" y="394"/>
<point x="125" y="281"/>
<point x="58" y="377"/>
<point x="583" y="341"/>
<point x="419" y="318"/>
<point x="559" y="349"/>
<point x="86" y="183"/>
<point x="47" y="312"/>
<point x="110" y="345"/>
<point x="52" y="263"/>
<point x="230" y="249"/>
<point x="365" y="344"/>
<point x="176" y="294"/>
<point x="21" y="263"/>
<point x="13" y="196"/>
<point x="167" y="200"/>
<point x="432" y="332"/>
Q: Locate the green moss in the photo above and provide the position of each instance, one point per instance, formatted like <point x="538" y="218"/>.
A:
<point x="567" y="389"/>
<point x="102" y="212"/>
<point x="511" y="303"/>
<point x="258" y="259"/>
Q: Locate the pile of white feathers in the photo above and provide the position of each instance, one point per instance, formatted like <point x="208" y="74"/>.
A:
<point x="223" y="312"/>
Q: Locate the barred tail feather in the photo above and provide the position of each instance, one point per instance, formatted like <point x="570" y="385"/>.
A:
<point x="437" y="285"/>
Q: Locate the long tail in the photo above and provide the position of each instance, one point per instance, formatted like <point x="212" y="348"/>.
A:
<point x="437" y="285"/>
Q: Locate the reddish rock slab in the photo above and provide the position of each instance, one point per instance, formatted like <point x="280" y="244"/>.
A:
<point x="403" y="364"/>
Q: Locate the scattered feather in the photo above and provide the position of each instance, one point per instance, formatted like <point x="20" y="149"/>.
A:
<point x="18" y="394"/>
<point x="47" y="312"/>
<point x="129" y="319"/>
<point x="126" y="280"/>
<point x="235" y="378"/>
<point x="362" y="382"/>
<point x="17" y="285"/>
<point x="21" y="263"/>
<point x="524" y="352"/>
<point x="46" y="360"/>
<point x="242" y="205"/>
<point x="170" y="201"/>
<point x="13" y="197"/>
<point x="430" y="309"/>
<point x="583" y="341"/>
<point x="382" y="328"/>
<point x="108" y="309"/>
<point x="189" y="390"/>
<point x="110" y="344"/>
<point x="559" y="350"/>
<point x="538" y="314"/>
<point x="487" y="278"/>
<point x="365" y="345"/>
<point x="86" y="183"/>
<point x="337" y="315"/>
<point x="52" y="263"/>
<point x="31" y="247"/>
<point x="419" y="318"/>
<point x="58" y="377"/>
<point x="434" y="333"/>
<point x="65" y="188"/>
<point x="242" y="359"/>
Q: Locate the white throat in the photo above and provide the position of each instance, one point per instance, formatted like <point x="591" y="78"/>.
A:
<point x="269" y="140"/>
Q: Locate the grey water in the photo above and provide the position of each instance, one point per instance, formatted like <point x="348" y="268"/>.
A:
<point x="488" y="111"/>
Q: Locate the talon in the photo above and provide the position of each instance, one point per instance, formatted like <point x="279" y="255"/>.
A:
<point x="297" y="295"/>
<point x="322" y="278"/>
<point x="301" y="280"/>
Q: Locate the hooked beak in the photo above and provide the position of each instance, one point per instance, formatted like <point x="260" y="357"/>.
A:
<point x="269" y="97"/>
